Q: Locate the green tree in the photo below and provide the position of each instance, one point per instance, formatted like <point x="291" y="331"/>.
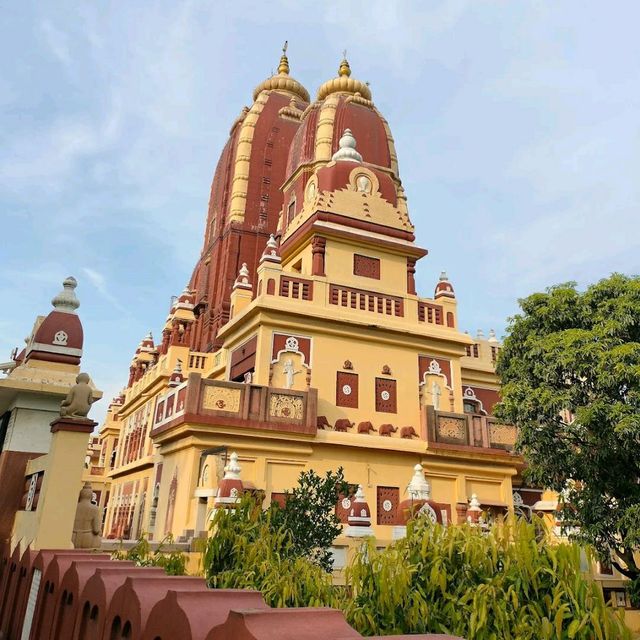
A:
<point x="507" y="584"/>
<point x="246" y="551"/>
<point x="309" y="515"/>
<point x="570" y="371"/>
<point x="305" y="526"/>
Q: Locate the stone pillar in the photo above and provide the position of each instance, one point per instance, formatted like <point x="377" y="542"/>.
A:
<point x="411" y="276"/>
<point x="318" y="245"/>
<point x="48" y="522"/>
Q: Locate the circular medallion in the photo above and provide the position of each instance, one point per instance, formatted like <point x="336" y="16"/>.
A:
<point x="291" y="344"/>
<point x="385" y="395"/>
<point x="387" y="506"/>
<point x="346" y="389"/>
<point x="346" y="503"/>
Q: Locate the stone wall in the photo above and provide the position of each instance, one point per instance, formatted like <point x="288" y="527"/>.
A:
<point x="75" y="595"/>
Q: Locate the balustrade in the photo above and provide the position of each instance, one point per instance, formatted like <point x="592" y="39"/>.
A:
<point x="469" y="430"/>
<point x="366" y="300"/>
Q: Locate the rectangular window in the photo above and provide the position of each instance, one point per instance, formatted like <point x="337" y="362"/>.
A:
<point x="386" y="399"/>
<point x="347" y="389"/>
<point x="291" y="211"/>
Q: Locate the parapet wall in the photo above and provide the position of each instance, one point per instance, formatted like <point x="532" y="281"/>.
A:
<point x="78" y="595"/>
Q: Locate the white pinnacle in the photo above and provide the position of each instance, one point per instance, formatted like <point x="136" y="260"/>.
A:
<point x="347" y="150"/>
<point x="233" y="469"/>
<point x="419" y="488"/>
<point x="66" y="300"/>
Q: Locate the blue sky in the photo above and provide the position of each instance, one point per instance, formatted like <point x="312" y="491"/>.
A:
<point x="517" y="126"/>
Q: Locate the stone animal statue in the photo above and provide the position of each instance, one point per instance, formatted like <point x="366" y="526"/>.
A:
<point x="408" y="432"/>
<point x="387" y="430"/>
<point x="342" y="424"/>
<point x="366" y="427"/>
<point x="323" y="423"/>
<point x="87" y="525"/>
<point x="79" y="399"/>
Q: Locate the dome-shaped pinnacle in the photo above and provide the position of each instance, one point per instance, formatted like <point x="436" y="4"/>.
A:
<point x="282" y="81"/>
<point x="345" y="69"/>
<point x="66" y="300"/>
<point x="347" y="148"/>
<point x="344" y="83"/>
<point x="283" y="67"/>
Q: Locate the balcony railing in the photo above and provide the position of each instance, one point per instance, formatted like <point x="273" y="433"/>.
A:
<point x="364" y="300"/>
<point x="251" y="405"/>
<point x="469" y="430"/>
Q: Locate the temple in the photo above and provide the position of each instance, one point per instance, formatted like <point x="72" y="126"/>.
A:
<point x="301" y="341"/>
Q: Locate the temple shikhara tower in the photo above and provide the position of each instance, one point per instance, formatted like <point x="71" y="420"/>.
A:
<point x="300" y="341"/>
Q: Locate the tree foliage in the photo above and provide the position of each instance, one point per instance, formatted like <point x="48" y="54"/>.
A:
<point x="174" y="562"/>
<point x="309" y="514"/>
<point x="507" y="584"/>
<point x="570" y="370"/>
<point x="304" y="526"/>
<point x="247" y="551"/>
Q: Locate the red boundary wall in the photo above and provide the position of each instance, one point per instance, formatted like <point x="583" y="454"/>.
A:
<point x="76" y="595"/>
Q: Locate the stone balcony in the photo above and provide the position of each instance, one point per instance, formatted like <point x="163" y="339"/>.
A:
<point x="203" y="401"/>
<point x="468" y="431"/>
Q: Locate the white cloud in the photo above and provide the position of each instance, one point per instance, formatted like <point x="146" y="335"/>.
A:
<point x="57" y="42"/>
<point x="99" y="281"/>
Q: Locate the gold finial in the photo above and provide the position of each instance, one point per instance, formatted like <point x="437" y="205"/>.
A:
<point x="283" y="67"/>
<point x="345" y="69"/>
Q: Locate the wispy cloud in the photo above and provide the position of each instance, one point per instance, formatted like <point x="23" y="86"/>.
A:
<point x="57" y="42"/>
<point x="99" y="281"/>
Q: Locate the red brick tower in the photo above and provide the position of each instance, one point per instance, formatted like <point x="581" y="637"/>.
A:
<point x="246" y="198"/>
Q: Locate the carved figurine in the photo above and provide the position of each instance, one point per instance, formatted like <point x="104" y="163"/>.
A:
<point x="435" y="395"/>
<point x="289" y="372"/>
<point x="87" y="524"/>
<point x="343" y="424"/>
<point x="79" y="399"/>
<point x="408" y="432"/>
<point x="387" y="429"/>
<point x="323" y="423"/>
<point x="366" y="427"/>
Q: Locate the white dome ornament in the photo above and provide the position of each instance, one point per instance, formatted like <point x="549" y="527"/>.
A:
<point x="347" y="148"/>
<point x="66" y="300"/>
<point x="242" y="281"/>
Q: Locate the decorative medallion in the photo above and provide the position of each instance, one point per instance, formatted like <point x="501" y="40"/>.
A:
<point x="387" y="505"/>
<point x="234" y="492"/>
<point x="434" y="367"/>
<point x="385" y="395"/>
<point x="347" y="365"/>
<point x="386" y="370"/>
<point x="61" y="338"/>
<point x="291" y="344"/>
<point x="346" y="503"/>
<point x="346" y="389"/>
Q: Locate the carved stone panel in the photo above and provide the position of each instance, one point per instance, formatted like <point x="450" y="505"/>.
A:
<point x="221" y="399"/>
<point x="386" y="397"/>
<point x="347" y="389"/>
<point x="452" y="430"/>
<point x="387" y="504"/>
<point x="502" y="436"/>
<point x="366" y="266"/>
<point x="282" y="405"/>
